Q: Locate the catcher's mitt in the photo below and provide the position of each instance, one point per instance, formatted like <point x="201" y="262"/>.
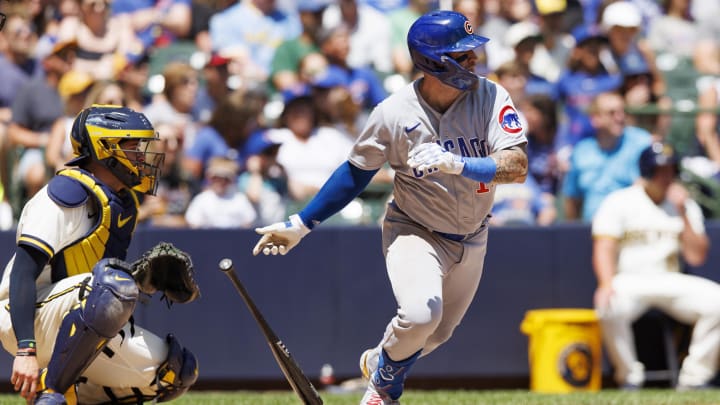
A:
<point x="168" y="269"/>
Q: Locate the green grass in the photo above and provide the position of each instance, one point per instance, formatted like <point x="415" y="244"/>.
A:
<point x="418" y="397"/>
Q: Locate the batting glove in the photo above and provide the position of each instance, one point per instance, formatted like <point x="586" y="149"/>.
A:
<point x="280" y="237"/>
<point x="431" y="157"/>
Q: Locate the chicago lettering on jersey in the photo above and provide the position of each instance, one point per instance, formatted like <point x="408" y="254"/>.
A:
<point x="475" y="147"/>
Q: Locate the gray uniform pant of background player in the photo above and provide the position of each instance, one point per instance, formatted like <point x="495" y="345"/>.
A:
<point x="434" y="280"/>
<point x="136" y="358"/>
<point x="690" y="299"/>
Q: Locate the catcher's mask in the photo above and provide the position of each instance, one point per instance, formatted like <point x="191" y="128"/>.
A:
<point x="435" y="35"/>
<point x="120" y="139"/>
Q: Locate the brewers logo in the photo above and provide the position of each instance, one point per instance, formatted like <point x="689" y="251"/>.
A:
<point x="575" y="364"/>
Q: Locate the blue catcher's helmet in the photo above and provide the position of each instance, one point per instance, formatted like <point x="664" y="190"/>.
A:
<point x="433" y="36"/>
<point x="100" y="132"/>
<point x="657" y="154"/>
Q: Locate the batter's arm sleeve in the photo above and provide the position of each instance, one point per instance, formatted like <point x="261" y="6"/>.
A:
<point x="27" y="266"/>
<point x="346" y="183"/>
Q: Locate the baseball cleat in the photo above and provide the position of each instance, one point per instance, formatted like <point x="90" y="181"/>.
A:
<point x="375" y="397"/>
<point x="50" y="398"/>
<point x="368" y="363"/>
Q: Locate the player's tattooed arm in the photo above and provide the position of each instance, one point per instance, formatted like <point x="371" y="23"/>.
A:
<point x="512" y="165"/>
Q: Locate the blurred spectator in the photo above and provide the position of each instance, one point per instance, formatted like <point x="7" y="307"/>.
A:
<point x="555" y="35"/>
<point x="400" y="21"/>
<point x="386" y="6"/>
<point x="309" y="152"/>
<point x="17" y="63"/>
<point x="264" y="181"/>
<point x="59" y="148"/>
<point x="496" y="26"/>
<point x="707" y="123"/>
<point x="230" y="125"/>
<point x="541" y="114"/>
<point x="254" y="41"/>
<point x="364" y="85"/>
<point x="622" y="23"/>
<point x="335" y="105"/>
<point x="215" y="87"/>
<point x="103" y="41"/>
<point x="34" y="110"/>
<point x="73" y="88"/>
<point x="584" y="78"/>
<point x="175" y="103"/>
<point x="287" y="57"/>
<point x="132" y="78"/>
<point x="155" y="22"/>
<point x="221" y="204"/>
<point x="522" y="204"/>
<point x="645" y="109"/>
<point x="514" y="77"/>
<point x="175" y="187"/>
<point x="642" y="236"/>
<point x="18" y="66"/>
<point x="369" y="34"/>
<point x="605" y="162"/>
<point x="532" y="57"/>
<point x="675" y="32"/>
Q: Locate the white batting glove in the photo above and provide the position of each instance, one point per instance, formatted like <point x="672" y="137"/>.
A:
<point x="431" y="157"/>
<point x="280" y="237"/>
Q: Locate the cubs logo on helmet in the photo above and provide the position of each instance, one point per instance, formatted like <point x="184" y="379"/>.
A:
<point x="434" y="36"/>
<point x="509" y="120"/>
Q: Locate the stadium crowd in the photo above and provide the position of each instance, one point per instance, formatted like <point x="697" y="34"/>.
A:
<point x="258" y="101"/>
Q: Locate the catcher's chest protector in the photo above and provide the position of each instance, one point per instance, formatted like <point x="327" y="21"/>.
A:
<point x="114" y="225"/>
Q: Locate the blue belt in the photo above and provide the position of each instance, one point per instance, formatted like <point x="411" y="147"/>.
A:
<point x="462" y="237"/>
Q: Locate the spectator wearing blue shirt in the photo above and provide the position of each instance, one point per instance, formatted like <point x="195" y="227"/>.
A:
<point x="583" y="79"/>
<point x="364" y="85"/>
<point x="605" y="162"/>
<point x="156" y="22"/>
<point x="230" y="125"/>
<point x="251" y="30"/>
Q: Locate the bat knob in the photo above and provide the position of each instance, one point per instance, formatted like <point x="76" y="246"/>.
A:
<point x="225" y="265"/>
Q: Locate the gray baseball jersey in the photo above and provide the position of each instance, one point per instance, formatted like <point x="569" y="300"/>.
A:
<point x="476" y="124"/>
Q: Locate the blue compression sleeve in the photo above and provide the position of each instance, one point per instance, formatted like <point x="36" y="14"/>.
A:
<point x="26" y="268"/>
<point x="480" y="169"/>
<point x="343" y="186"/>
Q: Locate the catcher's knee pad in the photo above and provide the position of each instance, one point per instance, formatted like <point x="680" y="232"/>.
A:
<point x="178" y="373"/>
<point x="88" y="327"/>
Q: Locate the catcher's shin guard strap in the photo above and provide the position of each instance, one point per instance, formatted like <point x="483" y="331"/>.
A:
<point x="86" y="329"/>
<point x="178" y="373"/>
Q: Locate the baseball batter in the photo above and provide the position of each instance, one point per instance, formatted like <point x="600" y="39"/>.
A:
<point x="450" y="137"/>
<point x="67" y="298"/>
<point x="640" y="233"/>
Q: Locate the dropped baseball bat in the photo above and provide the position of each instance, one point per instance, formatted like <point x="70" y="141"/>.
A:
<point x="294" y="375"/>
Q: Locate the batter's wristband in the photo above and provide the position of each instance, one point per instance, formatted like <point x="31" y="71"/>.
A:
<point x="480" y="169"/>
<point x="27" y="344"/>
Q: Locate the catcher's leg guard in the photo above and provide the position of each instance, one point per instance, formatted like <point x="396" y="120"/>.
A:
<point x="178" y="373"/>
<point x="86" y="329"/>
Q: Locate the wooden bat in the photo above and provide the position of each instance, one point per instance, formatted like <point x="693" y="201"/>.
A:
<point x="294" y="375"/>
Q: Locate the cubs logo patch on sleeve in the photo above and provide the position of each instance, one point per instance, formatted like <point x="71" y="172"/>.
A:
<point x="509" y="120"/>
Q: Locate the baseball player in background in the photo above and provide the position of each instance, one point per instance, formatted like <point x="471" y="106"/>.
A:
<point x="639" y="233"/>
<point x="450" y="136"/>
<point x="69" y="292"/>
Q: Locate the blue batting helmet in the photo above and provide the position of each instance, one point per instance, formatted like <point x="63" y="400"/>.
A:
<point x="436" y="34"/>
<point x="657" y="154"/>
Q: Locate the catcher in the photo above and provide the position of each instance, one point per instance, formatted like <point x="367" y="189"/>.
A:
<point x="68" y="295"/>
